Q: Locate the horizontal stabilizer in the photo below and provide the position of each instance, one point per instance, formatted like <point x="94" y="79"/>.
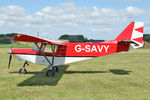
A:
<point x="129" y="41"/>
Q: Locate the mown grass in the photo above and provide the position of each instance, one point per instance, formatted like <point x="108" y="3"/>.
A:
<point x="121" y="76"/>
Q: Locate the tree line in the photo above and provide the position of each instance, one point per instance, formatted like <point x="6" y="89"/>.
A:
<point x="7" y="38"/>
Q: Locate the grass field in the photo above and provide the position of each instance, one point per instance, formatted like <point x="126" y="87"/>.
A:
<point x="122" y="76"/>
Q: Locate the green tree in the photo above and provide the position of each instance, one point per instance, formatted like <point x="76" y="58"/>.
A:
<point x="5" y="41"/>
<point x="146" y="37"/>
<point x="11" y="34"/>
<point x="74" y="38"/>
<point x="64" y="37"/>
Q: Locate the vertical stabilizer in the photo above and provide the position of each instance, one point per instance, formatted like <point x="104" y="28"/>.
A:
<point x="133" y="32"/>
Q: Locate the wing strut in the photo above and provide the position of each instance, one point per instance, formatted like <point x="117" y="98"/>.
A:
<point x="52" y="69"/>
<point x="53" y="47"/>
<point x="44" y="55"/>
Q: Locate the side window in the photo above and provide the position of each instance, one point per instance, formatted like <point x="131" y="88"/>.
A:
<point x="35" y="48"/>
<point x="48" y="48"/>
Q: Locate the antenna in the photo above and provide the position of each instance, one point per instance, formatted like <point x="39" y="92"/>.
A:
<point x="38" y="34"/>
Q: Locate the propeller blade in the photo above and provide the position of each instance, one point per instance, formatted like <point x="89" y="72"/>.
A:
<point x="10" y="57"/>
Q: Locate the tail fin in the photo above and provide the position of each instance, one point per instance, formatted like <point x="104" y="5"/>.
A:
<point x="134" y="33"/>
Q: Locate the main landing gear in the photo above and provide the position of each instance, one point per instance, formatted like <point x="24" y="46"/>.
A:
<point x="51" y="72"/>
<point x="52" y="69"/>
<point x="23" y="69"/>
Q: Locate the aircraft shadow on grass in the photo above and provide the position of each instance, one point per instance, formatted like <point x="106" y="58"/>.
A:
<point x="40" y="79"/>
<point x="120" y="71"/>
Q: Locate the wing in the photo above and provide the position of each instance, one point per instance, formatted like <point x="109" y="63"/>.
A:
<point x="28" y="38"/>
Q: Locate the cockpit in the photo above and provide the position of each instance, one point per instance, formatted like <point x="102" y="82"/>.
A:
<point x="44" y="47"/>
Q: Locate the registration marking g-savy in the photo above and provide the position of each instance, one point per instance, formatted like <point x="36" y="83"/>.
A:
<point x="91" y="48"/>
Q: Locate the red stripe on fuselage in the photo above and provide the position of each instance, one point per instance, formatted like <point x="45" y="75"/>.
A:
<point x="78" y="50"/>
<point x="23" y="51"/>
<point x="90" y="49"/>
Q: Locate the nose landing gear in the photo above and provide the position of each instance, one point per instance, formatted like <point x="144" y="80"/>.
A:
<point x="23" y="69"/>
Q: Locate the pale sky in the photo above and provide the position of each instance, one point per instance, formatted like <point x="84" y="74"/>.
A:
<point x="96" y="19"/>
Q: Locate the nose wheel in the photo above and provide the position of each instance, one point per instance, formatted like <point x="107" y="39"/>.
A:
<point x="23" y="69"/>
<point x="51" y="73"/>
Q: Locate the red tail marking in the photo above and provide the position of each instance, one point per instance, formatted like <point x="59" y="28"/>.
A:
<point x="140" y="29"/>
<point x="139" y="39"/>
<point x="127" y="33"/>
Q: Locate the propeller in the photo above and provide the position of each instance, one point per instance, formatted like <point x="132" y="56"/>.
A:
<point x="10" y="57"/>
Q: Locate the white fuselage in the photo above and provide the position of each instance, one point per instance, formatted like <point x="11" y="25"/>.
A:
<point x="39" y="59"/>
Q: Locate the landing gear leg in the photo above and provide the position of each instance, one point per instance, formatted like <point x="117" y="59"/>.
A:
<point x="23" y="69"/>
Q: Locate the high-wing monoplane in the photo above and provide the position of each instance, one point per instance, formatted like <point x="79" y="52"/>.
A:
<point x="55" y="52"/>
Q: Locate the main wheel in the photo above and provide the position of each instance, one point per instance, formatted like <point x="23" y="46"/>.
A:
<point x="22" y="71"/>
<point x="55" y="69"/>
<point x="50" y="73"/>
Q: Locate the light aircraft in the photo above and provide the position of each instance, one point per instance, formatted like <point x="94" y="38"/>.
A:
<point x="53" y="53"/>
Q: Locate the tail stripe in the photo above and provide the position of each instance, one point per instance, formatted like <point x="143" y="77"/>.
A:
<point x="137" y="34"/>
<point x="140" y="29"/>
<point x="138" y="25"/>
<point x="140" y="40"/>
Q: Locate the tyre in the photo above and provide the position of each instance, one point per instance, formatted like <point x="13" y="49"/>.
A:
<point x="55" y="69"/>
<point x="22" y="71"/>
<point x="50" y="73"/>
